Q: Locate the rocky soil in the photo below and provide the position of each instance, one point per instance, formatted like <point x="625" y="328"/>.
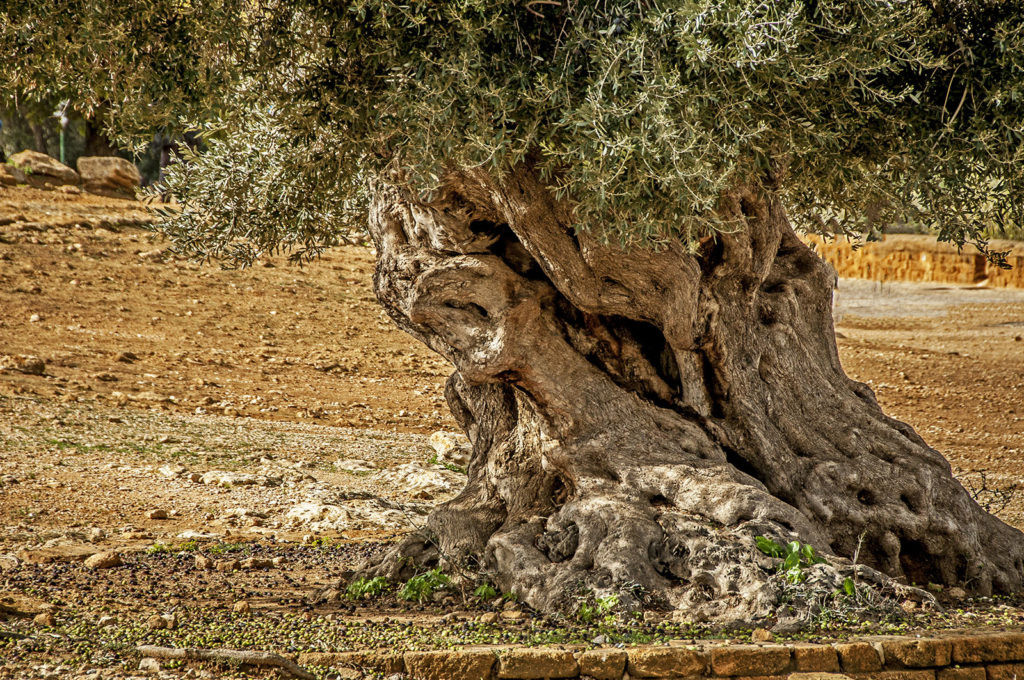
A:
<point x="949" y="360"/>
<point x="240" y="439"/>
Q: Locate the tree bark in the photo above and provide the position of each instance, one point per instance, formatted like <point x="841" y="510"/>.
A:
<point x="39" y="137"/>
<point x="96" y="141"/>
<point x="639" y="417"/>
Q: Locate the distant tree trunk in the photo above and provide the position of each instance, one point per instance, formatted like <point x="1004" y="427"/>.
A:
<point x="637" y="418"/>
<point x="168" y="154"/>
<point x="96" y="141"/>
<point x="39" y="137"/>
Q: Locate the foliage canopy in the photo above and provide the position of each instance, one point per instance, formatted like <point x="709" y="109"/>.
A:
<point x="641" y="112"/>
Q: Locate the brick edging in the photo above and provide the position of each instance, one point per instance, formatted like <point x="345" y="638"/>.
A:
<point x="986" y="656"/>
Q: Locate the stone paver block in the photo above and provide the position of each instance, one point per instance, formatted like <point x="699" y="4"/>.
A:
<point x="666" y="662"/>
<point x="817" y="675"/>
<point x="918" y="653"/>
<point x="604" y="664"/>
<point x="1005" y="671"/>
<point x="450" y="665"/>
<point x="858" y="657"/>
<point x="733" y="660"/>
<point x="976" y="673"/>
<point x="821" y="658"/>
<point x="537" y="664"/>
<point x="986" y="648"/>
<point x="386" y="663"/>
<point x="907" y="674"/>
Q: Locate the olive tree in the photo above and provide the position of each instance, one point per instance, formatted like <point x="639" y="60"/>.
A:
<point x="589" y="209"/>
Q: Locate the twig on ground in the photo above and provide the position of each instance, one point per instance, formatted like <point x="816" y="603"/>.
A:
<point x="992" y="499"/>
<point x="232" y="656"/>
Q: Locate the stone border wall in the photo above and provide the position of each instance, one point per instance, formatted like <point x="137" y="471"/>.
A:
<point x="989" y="656"/>
<point x="900" y="257"/>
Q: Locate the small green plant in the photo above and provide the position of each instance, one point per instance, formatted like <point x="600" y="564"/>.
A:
<point x="606" y="604"/>
<point x="322" y="542"/>
<point x="486" y="592"/>
<point x="598" y="608"/>
<point x="849" y="587"/>
<point x="158" y="548"/>
<point x="221" y="548"/>
<point x="434" y="460"/>
<point x="421" y="588"/>
<point x="363" y="588"/>
<point x="795" y="556"/>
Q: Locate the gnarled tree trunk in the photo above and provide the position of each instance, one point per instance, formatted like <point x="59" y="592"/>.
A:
<point x="637" y="418"/>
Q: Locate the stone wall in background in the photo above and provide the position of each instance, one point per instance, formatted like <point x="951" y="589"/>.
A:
<point x="900" y="257"/>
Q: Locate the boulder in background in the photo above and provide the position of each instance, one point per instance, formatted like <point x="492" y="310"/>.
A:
<point x="42" y="171"/>
<point x="109" y="176"/>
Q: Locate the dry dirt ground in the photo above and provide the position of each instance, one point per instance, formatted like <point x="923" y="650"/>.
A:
<point x="186" y="410"/>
